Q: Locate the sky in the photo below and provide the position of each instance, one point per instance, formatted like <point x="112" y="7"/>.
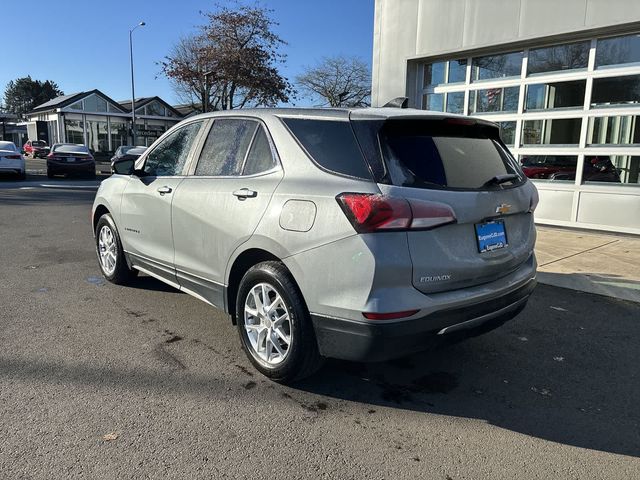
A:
<point x="84" y="44"/>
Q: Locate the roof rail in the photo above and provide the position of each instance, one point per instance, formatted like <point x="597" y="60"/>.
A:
<point x="398" y="102"/>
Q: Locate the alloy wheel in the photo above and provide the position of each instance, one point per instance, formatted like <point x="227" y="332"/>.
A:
<point x="268" y="324"/>
<point x="107" y="250"/>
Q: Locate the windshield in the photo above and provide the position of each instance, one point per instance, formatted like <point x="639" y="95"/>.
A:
<point x="71" y="149"/>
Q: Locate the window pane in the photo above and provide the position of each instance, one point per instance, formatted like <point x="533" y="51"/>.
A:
<point x="559" y="131"/>
<point x="552" y="167"/>
<point x="226" y="147"/>
<point x="260" y="158"/>
<point x="611" y="169"/>
<point x="618" y="50"/>
<point x="494" y="100"/>
<point x="119" y="133"/>
<point x="457" y="71"/>
<point x="621" y="130"/>
<point x="432" y="154"/>
<point x="93" y="103"/>
<point x="434" y="73"/>
<point x="76" y="106"/>
<point x="169" y="156"/>
<point x="97" y="134"/>
<point x="559" y="57"/>
<point x="497" y="66"/>
<point x="455" y="102"/>
<point x="508" y="132"/>
<point x="615" y="90"/>
<point x="74" y="131"/>
<point x="433" y="101"/>
<point x="154" y="108"/>
<point x="331" y="144"/>
<point x="542" y="96"/>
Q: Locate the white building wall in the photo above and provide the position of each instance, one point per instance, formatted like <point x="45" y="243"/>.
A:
<point x="409" y="29"/>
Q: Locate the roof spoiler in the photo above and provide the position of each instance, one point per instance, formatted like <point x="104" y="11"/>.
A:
<point x="398" y="102"/>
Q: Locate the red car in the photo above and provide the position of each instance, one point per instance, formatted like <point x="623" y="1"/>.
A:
<point x="36" y="148"/>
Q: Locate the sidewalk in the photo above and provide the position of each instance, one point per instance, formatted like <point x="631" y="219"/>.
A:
<point x="602" y="263"/>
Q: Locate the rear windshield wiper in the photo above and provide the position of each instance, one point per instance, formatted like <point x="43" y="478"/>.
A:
<point x="500" y="179"/>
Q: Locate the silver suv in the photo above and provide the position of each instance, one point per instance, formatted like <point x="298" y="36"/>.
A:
<point x="355" y="234"/>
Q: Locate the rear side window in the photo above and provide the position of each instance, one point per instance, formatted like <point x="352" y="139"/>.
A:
<point x="331" y="144"/>
<point x="226" y="147"/>
<point x="260" y="158"/>
<point x="434" y="154"/>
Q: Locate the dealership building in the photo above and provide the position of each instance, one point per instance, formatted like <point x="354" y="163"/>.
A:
<point x="103" y="124"/>
<point x="560" y="78"/>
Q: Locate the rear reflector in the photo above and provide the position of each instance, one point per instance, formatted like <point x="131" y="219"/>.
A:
<point x="388" y="316"/>
<point x="374" y="212"/>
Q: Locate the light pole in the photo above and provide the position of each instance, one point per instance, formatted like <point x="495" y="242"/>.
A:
<point x="133" y="90"/>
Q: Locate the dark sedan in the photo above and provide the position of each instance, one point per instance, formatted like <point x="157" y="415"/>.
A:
<point x="70" y="158"/>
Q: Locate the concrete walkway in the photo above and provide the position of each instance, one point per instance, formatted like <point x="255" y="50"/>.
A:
<point x="602" y="263"/>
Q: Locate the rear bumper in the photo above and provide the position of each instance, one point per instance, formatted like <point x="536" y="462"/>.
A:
<point x="84" y="167"/>
<point x="370" y="341"/>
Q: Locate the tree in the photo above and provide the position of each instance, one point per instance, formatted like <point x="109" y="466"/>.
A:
<point x="24" y="94"/>
<point x="337" y="82"/>
<point x="232" y="63"/>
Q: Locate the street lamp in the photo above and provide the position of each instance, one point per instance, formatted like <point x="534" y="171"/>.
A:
<point x="133" y="90"/>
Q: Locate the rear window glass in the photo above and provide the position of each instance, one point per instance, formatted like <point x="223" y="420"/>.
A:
<point x="432" y="154"/>
<point x="39" y="143"/>
<point x="331" y="144"/>
<point x="71" y="149"/>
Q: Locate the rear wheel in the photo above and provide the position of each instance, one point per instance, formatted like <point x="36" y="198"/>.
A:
<point x="49" y="174"/>
<point x="111" y="259"/>
<point x="274" y="325"/>
<point x="22" y="175"/>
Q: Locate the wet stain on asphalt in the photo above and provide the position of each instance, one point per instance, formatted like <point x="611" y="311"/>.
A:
<point x="168" y="358"/>
<point x="244" y="370"/>
<point x="99" y="281"/>
<point x="135" y="314"/>
<point x="249" y="385"/>
<point x="173" y="339"/>
<point x="432" y="383"/>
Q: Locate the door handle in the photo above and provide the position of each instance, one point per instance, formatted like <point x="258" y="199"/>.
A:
<point x="165" y="189"/>
<point x="245" y="193"/>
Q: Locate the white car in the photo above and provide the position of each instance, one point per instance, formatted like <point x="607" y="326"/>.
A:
<point x="11" y="160"/>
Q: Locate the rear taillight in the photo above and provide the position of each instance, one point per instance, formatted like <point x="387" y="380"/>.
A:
<point x="13" y="157"/>
<point x="51" y="156"/>
<point x="378" y="213"/>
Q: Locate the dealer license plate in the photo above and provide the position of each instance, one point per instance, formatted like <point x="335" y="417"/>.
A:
<point x="491" y="236"/>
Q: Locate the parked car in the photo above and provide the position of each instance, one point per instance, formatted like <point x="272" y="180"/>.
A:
<point x="70" y="158"/>
<point x="36" y="148"/>
<point x="126" y="152"/>
<point x="11" y="160"/>
<point x="355" y="234"/>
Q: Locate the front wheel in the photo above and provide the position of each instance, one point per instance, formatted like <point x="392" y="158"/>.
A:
<point x="111" y="259"/>
<point x="274" y="325"/>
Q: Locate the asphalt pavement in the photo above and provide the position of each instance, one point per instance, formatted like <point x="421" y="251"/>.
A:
<point x="104" y="381"/>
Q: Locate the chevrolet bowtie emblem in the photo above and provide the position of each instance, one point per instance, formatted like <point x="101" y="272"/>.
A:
<point x="503" y="208"/>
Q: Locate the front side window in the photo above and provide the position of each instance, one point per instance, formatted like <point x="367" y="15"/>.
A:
<point x="226" y="147"/>
<point x="169" y="157"/>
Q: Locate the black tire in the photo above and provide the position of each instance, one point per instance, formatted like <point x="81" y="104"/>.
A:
<point x="22" y="176"/>
<point x="302" y="358"/>
<point x="122" y="274"/>
<point x="49" y="174"/>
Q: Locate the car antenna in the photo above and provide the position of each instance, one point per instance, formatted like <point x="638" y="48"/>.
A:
<point x="398" y="102"/>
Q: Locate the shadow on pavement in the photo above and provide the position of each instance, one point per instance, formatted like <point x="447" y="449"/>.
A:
<point x="616" y="286"/>
<point x="568" y="374"/>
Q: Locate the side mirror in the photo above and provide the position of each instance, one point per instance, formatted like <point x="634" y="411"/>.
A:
<point x="123" y="167"/>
